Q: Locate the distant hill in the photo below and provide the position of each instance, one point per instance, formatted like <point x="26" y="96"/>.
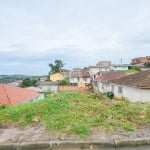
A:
<point x="11" y="78"/>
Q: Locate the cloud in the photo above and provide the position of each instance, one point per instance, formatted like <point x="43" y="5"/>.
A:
<point x="79" y="32"/>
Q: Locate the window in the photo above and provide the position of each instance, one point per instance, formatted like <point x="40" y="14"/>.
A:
<point x="119" y="89"/>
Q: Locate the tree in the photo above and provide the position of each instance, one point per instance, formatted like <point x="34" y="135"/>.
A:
<point x="56" y="67"/>
<point x="29" y="82"/>
<point x="147" y="65"/>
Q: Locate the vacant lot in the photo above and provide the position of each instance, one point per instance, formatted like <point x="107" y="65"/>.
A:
<point x="77" y="113"/>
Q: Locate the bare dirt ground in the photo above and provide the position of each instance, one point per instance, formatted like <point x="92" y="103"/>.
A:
<point x="39" y="133"/>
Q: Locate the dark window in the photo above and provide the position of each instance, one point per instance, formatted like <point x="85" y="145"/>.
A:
<point x="119" y="89"/>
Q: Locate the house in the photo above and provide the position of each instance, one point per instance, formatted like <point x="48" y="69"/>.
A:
<point x="65" y="72"/>
<point x="134" y="87"/>
<point x="16" y="83"/>
<point x="79" y="75"/>
<point x="102" y="80"/>
<point x="140" y="61"/>
<point x="57" y="76"/>
<point x="100" y="66"/>
<point x="48" y="86"/>
<point x="43" y="78"/>
<point x="119" y="67"/>
<point x="12" y="95"/>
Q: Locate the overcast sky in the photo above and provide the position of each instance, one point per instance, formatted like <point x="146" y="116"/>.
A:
<point x="33" y="33"/>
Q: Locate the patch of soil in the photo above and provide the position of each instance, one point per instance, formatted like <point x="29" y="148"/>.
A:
<point x="31" y="134"/>
<point x="39" y="133"/>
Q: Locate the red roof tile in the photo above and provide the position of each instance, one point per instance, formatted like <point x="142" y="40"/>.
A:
<point x="11" y="95"/>
<point x="79" y="73"/>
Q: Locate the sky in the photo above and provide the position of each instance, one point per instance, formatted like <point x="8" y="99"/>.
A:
<point x="34" y="33"/>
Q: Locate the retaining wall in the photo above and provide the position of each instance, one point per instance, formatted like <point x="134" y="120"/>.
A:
<point x="71" y="88"/>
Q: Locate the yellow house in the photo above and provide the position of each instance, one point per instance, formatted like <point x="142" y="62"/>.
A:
<point x="57" y="77"/>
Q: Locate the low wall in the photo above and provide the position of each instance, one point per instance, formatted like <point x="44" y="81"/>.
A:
<point x="135" y="144"/>
<point x="71" y="88"/>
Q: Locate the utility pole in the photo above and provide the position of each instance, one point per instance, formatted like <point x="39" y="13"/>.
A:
<point x="121" y="61"/>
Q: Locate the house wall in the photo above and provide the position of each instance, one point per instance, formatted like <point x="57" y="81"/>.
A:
<point x="93" y="71"/>
<point x="131" y="93"/>
<point x="56" y="77"/>
<point x="76" y="80"/>
<point x="73" y="80"/>
<point x="103" y="87"/>
<point x="141" y="60"/>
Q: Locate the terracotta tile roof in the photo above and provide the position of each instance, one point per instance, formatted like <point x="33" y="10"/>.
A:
<point x="104" y="64"/>
<point x="140" y="80"/>
<point x="79" y="73"/>
<point x="109" y="75"/>
<point x="11" y="95"/>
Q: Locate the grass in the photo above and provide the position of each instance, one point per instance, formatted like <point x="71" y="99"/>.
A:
<point x="77" y="113"/>
<point x="132" y="71"/>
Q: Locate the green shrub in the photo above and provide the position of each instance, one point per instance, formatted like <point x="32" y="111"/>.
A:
<point x="64" y="82"/>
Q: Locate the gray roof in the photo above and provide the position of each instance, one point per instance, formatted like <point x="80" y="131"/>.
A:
<point x="140" y="80"/>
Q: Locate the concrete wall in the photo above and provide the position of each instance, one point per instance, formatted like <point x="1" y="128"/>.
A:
<point x="71" y="88"/>
<point x="38" y="98"/>
<point x="131" y="93"/>
<point x="68" y="88"/>
<point x="53" y="88"/>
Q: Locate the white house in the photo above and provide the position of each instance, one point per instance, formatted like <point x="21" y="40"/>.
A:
<point x="99" y="67"/>
<point x="134" y="87"/>
<point x="102" y="80"/>
<point x="79" y="75"/>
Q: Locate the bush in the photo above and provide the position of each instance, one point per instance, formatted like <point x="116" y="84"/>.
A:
<point x="2" y="107"/>
<point x="64" y="82"/>
<point x="27" y="82"/>
<point x="110" y="95"/>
